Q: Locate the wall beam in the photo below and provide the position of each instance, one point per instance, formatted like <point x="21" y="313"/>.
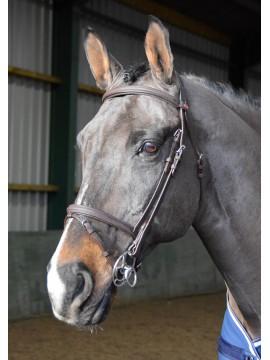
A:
<point x="33" y="75"/>
<point x="32" y="187"/>
<point x="90" y="89"/>
<point x="63" y="111"/>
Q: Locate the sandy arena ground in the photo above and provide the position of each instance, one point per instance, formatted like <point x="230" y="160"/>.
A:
<point x="186" y="328"/>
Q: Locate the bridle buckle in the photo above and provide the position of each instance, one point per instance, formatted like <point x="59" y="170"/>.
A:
<point x="124" y="271"/>
<point x="177" y="158"/>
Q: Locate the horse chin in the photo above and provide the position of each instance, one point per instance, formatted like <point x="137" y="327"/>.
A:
<point x="99" y="313"/>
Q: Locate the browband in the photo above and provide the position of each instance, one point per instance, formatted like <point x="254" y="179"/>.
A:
<point x="137" y="90"/>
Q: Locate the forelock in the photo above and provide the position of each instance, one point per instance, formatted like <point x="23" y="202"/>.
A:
<point x="132" y="73"/>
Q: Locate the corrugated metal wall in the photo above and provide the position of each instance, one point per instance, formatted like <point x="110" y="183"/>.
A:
<point x="30" y="42"/>
<point x="30" y="34"/>
<point x="123" y="30"/>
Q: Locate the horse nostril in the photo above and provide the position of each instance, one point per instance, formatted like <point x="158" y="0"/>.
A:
<point x="80" y="285"/>
<point x="77" y="283"/>
<point x="84" y="284"/>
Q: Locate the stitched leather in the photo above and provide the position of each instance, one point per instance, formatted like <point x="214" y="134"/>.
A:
<point x="139" y="90"/>
<point x="99" y="215"/>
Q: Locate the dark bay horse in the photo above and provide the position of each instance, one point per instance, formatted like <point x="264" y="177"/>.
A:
<point x="144" y="123"/>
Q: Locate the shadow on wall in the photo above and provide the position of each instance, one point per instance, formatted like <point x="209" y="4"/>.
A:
<point x="175" y="269"/>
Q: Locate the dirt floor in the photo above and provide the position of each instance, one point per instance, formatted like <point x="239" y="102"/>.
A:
<point x="185" y="328"/>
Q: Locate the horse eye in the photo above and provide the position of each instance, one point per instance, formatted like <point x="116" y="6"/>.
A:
<point x="149" y="148"/>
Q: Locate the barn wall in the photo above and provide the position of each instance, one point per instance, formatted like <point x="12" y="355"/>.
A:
<point x="180" y="268"/>
<point x="30" y="40"/>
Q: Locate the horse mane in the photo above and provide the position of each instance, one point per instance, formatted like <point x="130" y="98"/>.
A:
<point x="235" y="97"/>
<point x="245" y="105"/>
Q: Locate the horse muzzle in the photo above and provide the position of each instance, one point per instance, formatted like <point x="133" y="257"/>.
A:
<point x="73" y="295"/>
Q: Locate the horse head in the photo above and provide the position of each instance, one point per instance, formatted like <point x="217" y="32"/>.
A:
<point x="123" y="149"/>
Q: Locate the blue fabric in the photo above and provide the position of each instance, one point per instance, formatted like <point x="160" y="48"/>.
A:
<point x="228" y="351"/>
<point x="258" y="348"/>
<point x="234" y="342"/>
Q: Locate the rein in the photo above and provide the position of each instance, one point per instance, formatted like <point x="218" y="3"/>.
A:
<point x="126" y="265"/>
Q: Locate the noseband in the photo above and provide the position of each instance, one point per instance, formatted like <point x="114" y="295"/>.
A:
<point x="126" y="265"/>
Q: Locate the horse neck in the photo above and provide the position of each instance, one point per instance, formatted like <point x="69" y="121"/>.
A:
<point x="228" y="218"/>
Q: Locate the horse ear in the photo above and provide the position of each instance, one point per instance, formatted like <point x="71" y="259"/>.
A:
<point x="158" y="50"/>
<point x="103" y="65"/>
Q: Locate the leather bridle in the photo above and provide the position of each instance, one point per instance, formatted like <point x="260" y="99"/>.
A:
<point x="126" y="265"/>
